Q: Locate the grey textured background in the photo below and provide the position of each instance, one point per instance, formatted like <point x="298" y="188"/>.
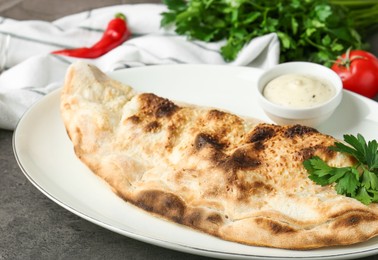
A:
<point x="31" y="225"/>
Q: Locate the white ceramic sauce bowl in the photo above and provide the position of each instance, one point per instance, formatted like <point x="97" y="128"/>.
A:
<point x="309" y="116"/>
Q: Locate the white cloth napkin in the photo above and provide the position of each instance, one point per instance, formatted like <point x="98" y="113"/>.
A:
<point x="33" y="72"/>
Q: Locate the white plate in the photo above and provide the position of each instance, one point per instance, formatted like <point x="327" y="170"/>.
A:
<point x="46" y="157"/>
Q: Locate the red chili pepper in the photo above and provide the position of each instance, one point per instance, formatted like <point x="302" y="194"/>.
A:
<point x="115" y="34"/>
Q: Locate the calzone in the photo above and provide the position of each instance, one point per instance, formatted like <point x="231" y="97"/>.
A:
<point x="232" y="177"/>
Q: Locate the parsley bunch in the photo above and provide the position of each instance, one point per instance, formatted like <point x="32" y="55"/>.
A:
<point x="308" y="30"/>
<point x="359" y="181"/>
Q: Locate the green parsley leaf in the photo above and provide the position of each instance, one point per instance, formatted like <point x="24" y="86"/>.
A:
<point x="369" y="180"/>
<point x="323" y="11"/>
<point x="364" y="196"/>
<point x="177" y="5"/>
<point x="339" y="173"/>
<point x="365" y="153"/>
<point x="348" y="184"/>
<point x="318" y="169"/>
<point x="359" y="181"/>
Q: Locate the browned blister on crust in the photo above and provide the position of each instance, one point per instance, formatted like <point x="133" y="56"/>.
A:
<point x="232" y="177"/>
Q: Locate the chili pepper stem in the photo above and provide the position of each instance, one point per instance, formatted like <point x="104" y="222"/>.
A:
<point x="120" y="15"/>
<point x="115" y="34"/>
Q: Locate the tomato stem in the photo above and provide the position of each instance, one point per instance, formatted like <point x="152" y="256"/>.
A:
<point x="347" y="61"/>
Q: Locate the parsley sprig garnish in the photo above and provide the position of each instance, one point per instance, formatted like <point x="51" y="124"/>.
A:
<point x="359" y="181"/>
<point x="315" y="30"/>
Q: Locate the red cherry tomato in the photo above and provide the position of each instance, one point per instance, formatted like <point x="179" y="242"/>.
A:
<point x="358" y="71"/>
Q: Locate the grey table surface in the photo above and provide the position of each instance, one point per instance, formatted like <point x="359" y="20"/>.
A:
<point x="31" y="225"/>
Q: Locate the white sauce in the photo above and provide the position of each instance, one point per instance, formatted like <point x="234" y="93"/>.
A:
<point x="298" y="91"/>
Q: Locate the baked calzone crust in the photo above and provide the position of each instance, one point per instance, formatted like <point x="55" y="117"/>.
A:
<point x="235" y="178"/>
